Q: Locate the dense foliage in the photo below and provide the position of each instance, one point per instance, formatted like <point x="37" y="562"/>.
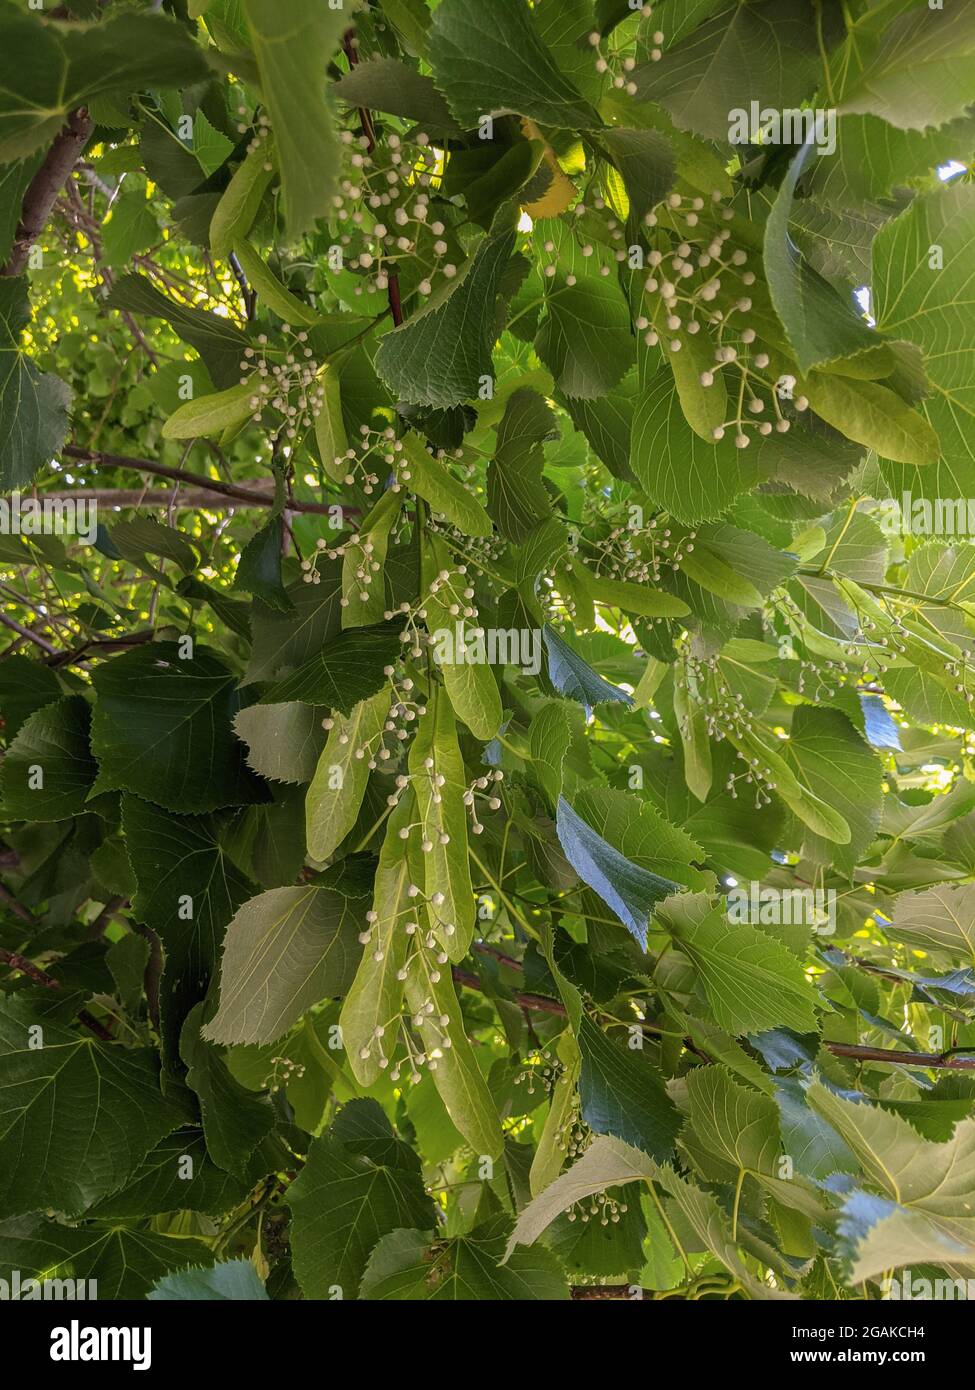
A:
<point x="490" y="809"/>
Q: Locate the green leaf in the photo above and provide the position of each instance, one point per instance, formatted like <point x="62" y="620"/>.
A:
<point x="874" y="416"/>
<point x="421" y="1266"/>
<point x="348" y="669"/>
<point x="454" y="1068"/>
<point x="281" y="644"/>
<point x="259" y="567"/>
<point x="442" y="353"/>
<point x="940" y="919"/>
<point x="693" y="479"/>
<point x="695" y="740"/>
<point x="630" y="891"/>
<point x="213" y="414"/>
<point x="233" y="1279"/>
<point x="923" y="262"/>
<point x="363" y="570"/>
<point x="210" y="145"/>
<point x="93" y="1110"/>
<point x="550" y="1153"/>
<point x="33" y="405"/>
<point x="376" y="994"/>
<point x="120" y="1263"/>
<point x="188" y="890"/>
<point x="639" y="832"/>
<point x="443" y="814"/>
<point x="605" y="1163"/>
<point x="432" y="480"/>
<point x="919" y="72"/>
<point x="48" y="769"/>
<point x="765" y="52"/>
<point x="469" y="681"/>
<point x="240" y="201"/>
<point x="285" y="951"/>
<point x="54" y="70"/>
<point x="646" y="161"/>
<point x="549" y="737"/>
<point x="517" y="497"/>
<point x="606" y="424"/>
<point x="141" y="534"/>
<point x="339" y="783"/>
<point x="572" y="675"/>
<point x="269" y="289"/>
<point x="25" y="686"/>
<point x="131" y="228"/>
<point x="486" y="61"/>
<point x="163" y="729"/>
<point x="837" y="766"/>
<point x="711" y="1230"/>
<point x="621" y="1093"/>
<point x="330" y="434"/>
<point x="818" y="323"/>
<point x="385" y="84"/>
<point x="752" y="981"/>
<point x="284" y="742"/>
<point x="633" y="598"/>
<point x="731" y="1130"/>
<point x="220" y="344"/>
<point x="293" y="41"/>
<point x="930" y="1214"/>
<point x="234" y="1119"/>
<point x="585" y="338"/>
<point x="705" y="407"/>
<point x="177" y="1175"/>
<point x="360" y="1183"/>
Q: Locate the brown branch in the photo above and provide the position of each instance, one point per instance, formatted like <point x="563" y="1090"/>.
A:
<point x="540" y="1003"/>
<point x="44" y="187"/>
<point x="598" y="1292"/>
<point x="249" y="496"/>
<point x="948" y="1061"/>
<point x="134" y="639"/>
<point x="188" y="499"/>
<point x="942" y="1060"/>
<point x="28" y="968"/>
<point x="153" y="973"/>
<point x="15" y="907"/>
<point x="27" y="632"/>
<point x="46" y="981"/>
<point x="97" y="928"/>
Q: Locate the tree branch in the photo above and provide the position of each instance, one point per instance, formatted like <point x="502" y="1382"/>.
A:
<point x="249" y="496"/>
<point x="30" y="635"/>
<point x="44" y="187"/>
<point x="135" y="639"/>
<point x="46" y="981"/>
<point x="947" y="1061"/>
<point x="15" y="907"/>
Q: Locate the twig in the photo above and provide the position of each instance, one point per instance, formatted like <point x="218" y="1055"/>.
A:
<point x="97" y="927"/>
<point x="16" y="908"/>
<point x="153" y="973"/>
<point x="248" y="295"/>
<point x="44" y="187"/>
<point x="239" y="494"/>
<point x="26" y="632"/>
<point x="947" y="1061"/>
<point x="41" y="977"/>
<point x="135" y="639"/>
